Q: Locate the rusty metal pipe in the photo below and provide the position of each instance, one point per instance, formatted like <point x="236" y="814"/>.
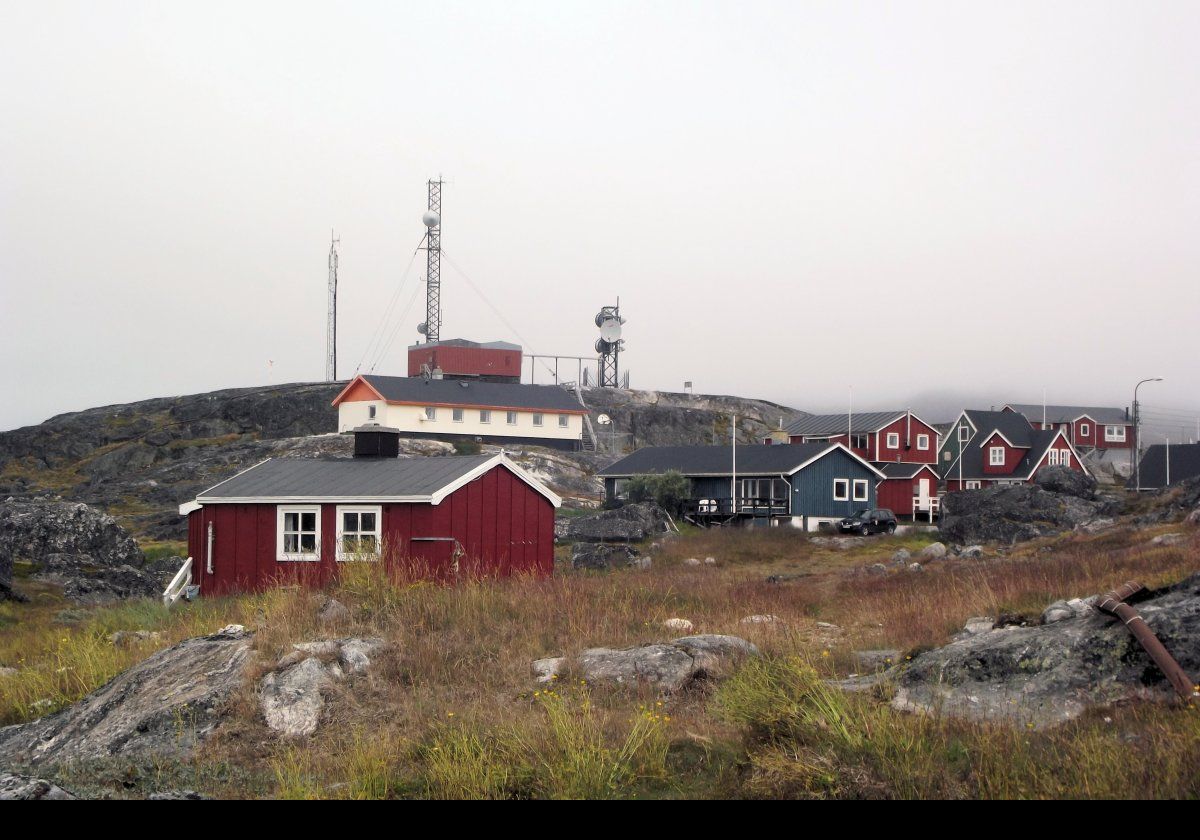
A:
<point x="1114" y="604"/>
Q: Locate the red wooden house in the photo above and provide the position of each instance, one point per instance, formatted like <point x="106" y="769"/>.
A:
<point x="297" y="520"/>
<point x="1003" y="448"/>
<point x="1087" y="427"/>
<point x="895" y="442"/>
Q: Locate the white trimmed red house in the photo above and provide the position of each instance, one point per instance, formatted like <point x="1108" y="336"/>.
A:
<point x="897" y="443"/>
<point x="1001" y="447"/>
<point x="1087" y="427"/>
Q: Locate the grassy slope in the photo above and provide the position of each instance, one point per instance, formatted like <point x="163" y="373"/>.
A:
<point x="451" y="709"/>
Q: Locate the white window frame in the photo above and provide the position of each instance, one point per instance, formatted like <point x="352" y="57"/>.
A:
<point x="1064" y="457"/>
<point x="539" y="419"/>
<point x="993" y="460"/>
<point x="431" y="412"/>
<point x="964" y="433"/>
<point x="564" y="421"/>
<point x="923" y="442"/>
<point x="860" y="441"/>
<point x="1052" y="458"/>
<point x="974" y="485"/>
<point x="371" y="412"/>
<point x="1111" y="434"/>
<point x="485" y="415"/>
<point x="844" y="495"/>
<point x="893" y="440"/>
<point x="511" y="418"/>
<point x="282" y="556"/>
<point x="1085" y="430"/>
<point x="865" y="486"/>
<point x="458" y="414"/>
<point x="377" y="533"/>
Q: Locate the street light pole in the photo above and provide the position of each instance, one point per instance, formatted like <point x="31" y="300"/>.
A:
<point x="1137" y="437"/>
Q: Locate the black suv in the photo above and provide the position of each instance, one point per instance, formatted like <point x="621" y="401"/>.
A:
<point x="869" y="521"/>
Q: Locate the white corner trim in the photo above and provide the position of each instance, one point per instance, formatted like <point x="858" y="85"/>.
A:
<point x="189" y="507"/>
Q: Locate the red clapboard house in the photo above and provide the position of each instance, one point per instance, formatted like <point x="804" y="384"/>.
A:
<point x="298" y="520"/>
<point x="897" y="443"/>
<point x="1003" y="448"/>
<point x="1087" y="427"/>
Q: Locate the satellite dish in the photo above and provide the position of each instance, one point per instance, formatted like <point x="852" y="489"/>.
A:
<point x="610" y="330"/>
<point x="431" y="219"/>
<point x="602" y="346"/>
<point x="422" y="328"/>
<point x="604" y="420"/>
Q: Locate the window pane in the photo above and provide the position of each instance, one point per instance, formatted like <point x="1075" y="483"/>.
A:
<point x="308" y="522"/>
<point x="349" y="545"/>
<point x="563" y="420"/>
<point x="349" y="522"/>
<point x="291" y="522"/>
<point x="291" y="543"/>
<point x="308" y="543"/>
<point x="368" y="522"/>
<point x="366" y="543"/>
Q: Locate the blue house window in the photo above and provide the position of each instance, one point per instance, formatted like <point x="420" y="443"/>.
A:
<point x="841" y="489"/>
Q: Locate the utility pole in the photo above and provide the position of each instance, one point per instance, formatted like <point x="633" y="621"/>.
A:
<point x="733" y="483"/>
<point x="331" y="326"/>
<point x="431" y="327"/>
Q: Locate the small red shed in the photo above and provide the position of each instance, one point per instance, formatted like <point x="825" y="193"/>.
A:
<point x="297" y="520"/>
<point x="909" y="490"/>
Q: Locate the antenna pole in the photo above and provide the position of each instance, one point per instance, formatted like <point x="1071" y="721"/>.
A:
<point x="433" y="265"/>
<point x="331" y="325"/>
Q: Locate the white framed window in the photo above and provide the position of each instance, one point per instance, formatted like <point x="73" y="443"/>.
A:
<point x="298" y="533"/>
<point x="973" y="485"/>
<point x="359" y="532"/>
<point x="538" y="419"/>
<point x="1114" y="434"/>
<point x="370" y="412"/>
<point x="862" y="490"/>
<point x="1064" y="457"/>
<point x="457" y="415"/>
<point x="893" y="440"/>
<point x="922" y="441"/>
<point x="1085" y="430"/>
<point x="430" y="412"/>
<point x="512" y="418"/>
<point x="564" y="421"/>
<point x="946" y="456"/>
<point x="841" y="489"/>
<point x="858" y="442"/>
<point x="996" y="456"/>
<point x="1052" y="458"/>
<point x="485" y="415"/>
<point x="964" y="433"/>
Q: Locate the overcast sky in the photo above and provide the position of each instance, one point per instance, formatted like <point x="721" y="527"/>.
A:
<point x="932" y="202"/>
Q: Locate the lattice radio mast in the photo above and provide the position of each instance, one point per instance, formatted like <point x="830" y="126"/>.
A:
<point x="331" y="326"/>
<point x="609" y="346"/>
<point x="431" y="327"/>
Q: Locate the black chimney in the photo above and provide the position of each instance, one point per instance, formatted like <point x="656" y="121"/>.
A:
<point x="376" y="442"/>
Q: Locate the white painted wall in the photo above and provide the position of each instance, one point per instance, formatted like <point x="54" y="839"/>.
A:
<point x="411" y="418"/>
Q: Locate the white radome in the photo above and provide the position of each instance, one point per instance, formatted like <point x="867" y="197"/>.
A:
<point x="610" y="330"/>
<point x="603" y="419"/>
<point x="431" y="219"/>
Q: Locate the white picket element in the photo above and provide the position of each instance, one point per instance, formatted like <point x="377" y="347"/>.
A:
<point x="178" y="584"/>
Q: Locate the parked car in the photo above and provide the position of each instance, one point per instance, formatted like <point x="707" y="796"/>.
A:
<point x="869" y="521"/>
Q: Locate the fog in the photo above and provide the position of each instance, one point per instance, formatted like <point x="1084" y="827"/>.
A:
<point x="932" y="204"/>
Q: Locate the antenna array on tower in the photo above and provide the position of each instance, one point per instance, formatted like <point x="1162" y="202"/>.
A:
<point x="331" y="326"/>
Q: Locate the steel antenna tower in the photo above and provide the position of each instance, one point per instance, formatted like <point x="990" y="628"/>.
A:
<point x="432" y="326"/>
<point x="331" y="326"/>
<point x="609" y="346"/>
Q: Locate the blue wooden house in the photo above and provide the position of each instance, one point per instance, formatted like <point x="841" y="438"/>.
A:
<point x="803" y="484"/>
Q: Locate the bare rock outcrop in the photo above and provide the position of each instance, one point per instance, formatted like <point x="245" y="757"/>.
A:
<point x="667" y="667"/>
<point x="1051" y="673"/>
<point x="164" y="706"/>
<point x="631" y="523"/>
<point x="77" y="546"/>
<point x="1015" y="513"/>
<point x="15" y="788"/>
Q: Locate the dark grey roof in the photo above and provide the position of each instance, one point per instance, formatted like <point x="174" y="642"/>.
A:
<point x="321" y="479"/>
<point x="757" y="459"/>
<point x="1185" y="464"/>
<point x="1012" y="425"/>
<point x="421" y="391"/>
<point x="836" y="424"/>
<point x="894" y="470"/>
<point x="1070" y="413"/>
